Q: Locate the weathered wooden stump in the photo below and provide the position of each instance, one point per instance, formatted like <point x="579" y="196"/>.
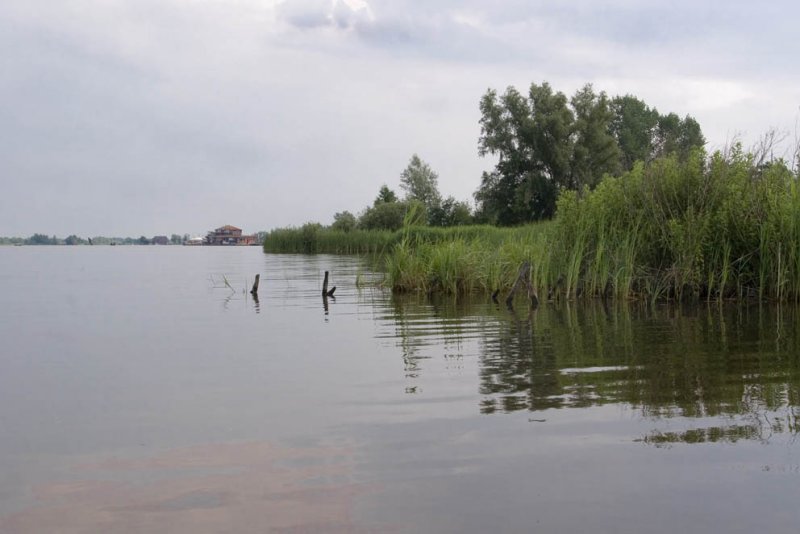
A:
<point x="254" y="291"/>
<point x="524" y="277"/>
<point x="325" y="292"/>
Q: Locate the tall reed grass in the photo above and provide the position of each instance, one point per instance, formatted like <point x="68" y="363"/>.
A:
<point x="713" y="228"/>
<point x="313" y="238"/>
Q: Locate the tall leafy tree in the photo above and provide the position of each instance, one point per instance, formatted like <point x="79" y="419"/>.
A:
<point x="388" y="213"/>
<point x="531" y="138"/>
<point x="674" y="135"/>
<point x="450" y="212"/>
<point x="344" y="221"/>
<point x="595" y="151"/>
<point x="421" y="183"/>
<point x="633" y="125"/>
<point x="690" y="138"/>
<point x="544" y="142"/>
<point x="385" y="196"/>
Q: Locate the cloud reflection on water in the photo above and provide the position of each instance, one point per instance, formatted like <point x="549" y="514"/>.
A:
<point x="228" y="487"/>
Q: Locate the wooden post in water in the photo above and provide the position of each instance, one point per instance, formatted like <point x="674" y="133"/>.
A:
<point x="523" y="277"/>
<point x="254" y="291"/>
<point x="325" y="292"/>
<point x="494" y="296"/>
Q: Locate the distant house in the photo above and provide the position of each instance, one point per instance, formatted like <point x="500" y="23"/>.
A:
<point x="160" y="240"/>
<point x="229" y="235"/>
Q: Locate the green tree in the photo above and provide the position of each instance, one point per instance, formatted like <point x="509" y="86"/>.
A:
<point x="691" y="137"/>
<point x="420" y="183"/>
<point x="175" y="239"/>
<point x="344" y="221"/>
<point x="633" y="126"/>
<point x="385" y="195"/>
<point x="383" y="216"/>
<point x="532" y="139"/>
<point x="41" y="239"/>
<point x="72" y="240"/>
<point x="143" y="240"/>
<point x="595" y="151"/>
<point x="544" y="143"/>
<point x="674" y="135"/>
<point x="450" y="212"/>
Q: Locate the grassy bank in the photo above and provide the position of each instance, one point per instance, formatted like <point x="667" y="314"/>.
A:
<point x="723" y="227"/>
<point x="483" y="259"/>
<point x="708" y="228"/>
<point x="316" y="239"/>
<point x="704" y="228"/>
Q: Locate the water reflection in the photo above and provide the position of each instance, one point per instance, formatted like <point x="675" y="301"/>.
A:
<point x="180" y="409"/>
<point x="732" y="370"/>
<point x="325" y="304"/>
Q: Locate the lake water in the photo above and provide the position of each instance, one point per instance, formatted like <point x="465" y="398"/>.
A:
<point x="143" y="390"/>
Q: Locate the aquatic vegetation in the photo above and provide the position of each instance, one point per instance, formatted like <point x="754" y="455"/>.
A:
<point x="702" y="228"/>
<point x="713" y="228"/>
<point x="313" y="238"/>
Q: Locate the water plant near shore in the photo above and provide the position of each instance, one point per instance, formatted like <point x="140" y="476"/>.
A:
<point x="313" y="238"/>
<point x="704" y="228"/>
<point x="720" y="227"/>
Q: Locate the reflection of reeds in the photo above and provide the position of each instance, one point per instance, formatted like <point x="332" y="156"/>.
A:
<point x="730" y="434"/>
<point x="708" y="362"/>
<point x="729" y="369"/>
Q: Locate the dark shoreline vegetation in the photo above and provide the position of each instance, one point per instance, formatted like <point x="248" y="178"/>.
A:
<point x="72" y="239"/>
<point x="720" y="227"/>
<point x="605" y="197"/>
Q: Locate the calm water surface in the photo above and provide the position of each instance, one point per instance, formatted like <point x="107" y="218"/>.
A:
<point x="143" y="390"/>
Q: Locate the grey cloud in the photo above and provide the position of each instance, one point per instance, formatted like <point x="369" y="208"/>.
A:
<point x="157" y="115"/>
<point x="345" y="17"/>
<point x="305" y="13"/>
<point x="310" y="14"/>
<point x="706" y="35"/>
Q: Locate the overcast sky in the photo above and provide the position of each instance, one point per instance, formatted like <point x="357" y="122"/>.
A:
<point x="131" y="117"/>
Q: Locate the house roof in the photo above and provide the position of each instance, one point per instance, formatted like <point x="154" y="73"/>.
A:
<point x="227" y="227"/>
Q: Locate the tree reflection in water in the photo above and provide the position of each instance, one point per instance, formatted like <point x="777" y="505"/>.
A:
<point x="733" y="370"/>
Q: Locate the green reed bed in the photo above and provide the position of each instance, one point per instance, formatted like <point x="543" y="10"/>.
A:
<point x="718" y="227"/>
<point x="714" y="228"/>
<point x="721" y="227"/>
<point x="482" y="259"/>
<point x="315" y="239"/>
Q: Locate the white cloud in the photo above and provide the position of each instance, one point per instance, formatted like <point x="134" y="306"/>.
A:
<point x="148" y="116"/>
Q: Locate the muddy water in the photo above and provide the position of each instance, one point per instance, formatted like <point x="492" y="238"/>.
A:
<point x="142" y="389"/>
